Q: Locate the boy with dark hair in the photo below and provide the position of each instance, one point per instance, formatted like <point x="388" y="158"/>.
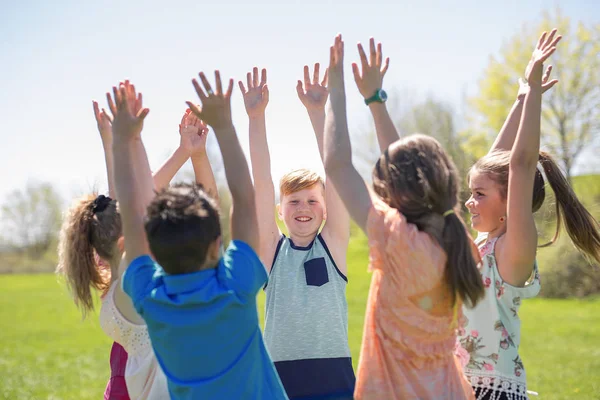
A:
<point x="200" y="308"/>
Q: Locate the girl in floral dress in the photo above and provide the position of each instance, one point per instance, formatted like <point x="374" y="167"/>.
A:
<point x="506" y="189"/>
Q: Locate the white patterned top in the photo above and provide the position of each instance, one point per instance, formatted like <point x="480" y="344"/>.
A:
<point x="143" y="376"/>
<point x="490" y="339"/>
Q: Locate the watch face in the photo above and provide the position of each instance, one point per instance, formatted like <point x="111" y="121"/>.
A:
<point x="382" y="95"/>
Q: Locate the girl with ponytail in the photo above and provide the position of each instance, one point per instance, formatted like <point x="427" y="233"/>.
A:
<point x="421" y="255"/>
<point x="90" y="254"/>
<point x="507" y="187"/>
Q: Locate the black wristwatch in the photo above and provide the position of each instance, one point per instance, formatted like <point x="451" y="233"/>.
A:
<point x="380" y="96"/>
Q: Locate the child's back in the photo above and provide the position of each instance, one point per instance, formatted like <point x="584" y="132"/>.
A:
<point x="204" y="326"/>
<point x="410" y="321"/>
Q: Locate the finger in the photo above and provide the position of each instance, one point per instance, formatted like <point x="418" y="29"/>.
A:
<point x="255" y="76"/>
<point x="195" y="109"/>
<point x="199" y="91"/>
<point x="547" y="54"/>
<point x="131" y="97"/>
<point x="205" y="82"/>
<point x="263" y="77"/>
<point x="306" y="76"/>
<point x="195" y="121"/>
<point x="541" y="40"/>
<point x="356" y="73"/>
<point x="300" y="89"/>
<point x="331" y="56"/>
<point x="549" y="85"/>
<point x="105" y="115"/>
<point x="549" y="38"/>
<point x="143" y="114"/>
<point x="218" y="82"/>
<point x="316" y="74"/>
<point x="124" y="105"/>
<point x="111" y="104"/>
<point x="249" y="80"/>
<point x="341" y="48"/>
<point x="385" y="67"/>
<point x="325" y="76"/>
<point x="555" y="41"/>
<point x="96" y="109"/>
<point x="229" y="88"/>
<point x="363" y="57"/>
<point x="242" y="88"/>
<point x="379" y="55"/>
<point x="117" y="97"/>
<point x="183" y="120"/>
<point x="547" y="74"/>
<point x="139" y="101"/>
<point x="265" y="93"/>
<point x="372" y="53"/>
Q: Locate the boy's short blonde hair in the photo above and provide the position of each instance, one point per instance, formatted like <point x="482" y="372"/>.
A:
<point x="298" y="180"/>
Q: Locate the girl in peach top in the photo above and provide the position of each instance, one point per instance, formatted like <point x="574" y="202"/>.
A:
<point x="421" y="256"/>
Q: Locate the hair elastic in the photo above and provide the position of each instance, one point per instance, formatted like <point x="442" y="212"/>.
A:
<point x="448" y="213"/>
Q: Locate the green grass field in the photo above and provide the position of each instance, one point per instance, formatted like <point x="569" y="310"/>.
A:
<point x="47" y="351"/>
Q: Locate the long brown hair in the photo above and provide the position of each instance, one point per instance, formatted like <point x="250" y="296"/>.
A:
<point x="91" y="226"/>
<point x="417" y="177"/>
<point x="581" y="226"/>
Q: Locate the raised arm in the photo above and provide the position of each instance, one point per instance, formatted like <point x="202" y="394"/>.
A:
<point x="369" y="85"/>
<point x="256" y="98"/>
<point x="193" y="133"/>
<point x="517" y="254"/>
<point x="105" y="128"/>
<point x="338" y="151"/>
<point x="216" y="112"/>
<point x="508" y="133"/>
<point x="133" y="179"/>
<point x="313" y="96"/>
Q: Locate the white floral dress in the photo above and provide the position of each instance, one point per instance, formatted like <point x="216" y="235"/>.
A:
<point x="491" y="336"/>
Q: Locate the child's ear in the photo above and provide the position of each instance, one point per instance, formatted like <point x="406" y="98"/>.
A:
<point x="121" y="244"/>
<point x="279" y="211"/>
<point x="214" y="249"/>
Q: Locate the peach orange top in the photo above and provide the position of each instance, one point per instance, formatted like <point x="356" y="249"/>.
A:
<point x="410" y="324"/>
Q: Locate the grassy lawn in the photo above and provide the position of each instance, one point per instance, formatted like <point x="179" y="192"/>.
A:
<point x="47" y="352"/>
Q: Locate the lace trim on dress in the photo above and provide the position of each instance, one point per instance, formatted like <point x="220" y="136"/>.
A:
<point x="497" y="385"/>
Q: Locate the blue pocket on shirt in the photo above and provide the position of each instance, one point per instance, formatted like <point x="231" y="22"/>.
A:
<point x="316" y="272"/>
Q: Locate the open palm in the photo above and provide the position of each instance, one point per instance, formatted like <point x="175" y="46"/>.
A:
<point x="544" y="49"/>
<point x="193" y="133"/>
<point x="256" y="97"/>
<point x="313" y="95"/>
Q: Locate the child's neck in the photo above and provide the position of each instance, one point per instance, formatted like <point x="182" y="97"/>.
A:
<point x="496" y="233"/>
<point x="303" y="240"/>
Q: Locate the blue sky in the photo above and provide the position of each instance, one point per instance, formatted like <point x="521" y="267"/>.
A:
<point x="58" y="56"/>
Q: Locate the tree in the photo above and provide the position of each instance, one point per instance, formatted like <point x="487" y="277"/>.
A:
<point x="33" y="216"/>
<point x="432" y="117"/>
<point x="571" y="110"/>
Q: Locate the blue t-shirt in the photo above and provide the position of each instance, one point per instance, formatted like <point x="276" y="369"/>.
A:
<point x="204" y="326"/>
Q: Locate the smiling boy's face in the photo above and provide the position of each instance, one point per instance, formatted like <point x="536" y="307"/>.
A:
<point x="303" y="211"/>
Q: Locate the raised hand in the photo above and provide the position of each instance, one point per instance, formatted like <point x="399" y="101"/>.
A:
<point x="127" y="110"/>
<point x="313" y="95"/>
<point x="545" y="47"/>
<point x="336" y="64"/>
<point x="372" y="75"/>
<point x="193" y="133"/>
<point x="216" y="106"/>
<point x="256" y="97"/>
<point x="104" y="122"/>
<point x="546" y="84"/>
